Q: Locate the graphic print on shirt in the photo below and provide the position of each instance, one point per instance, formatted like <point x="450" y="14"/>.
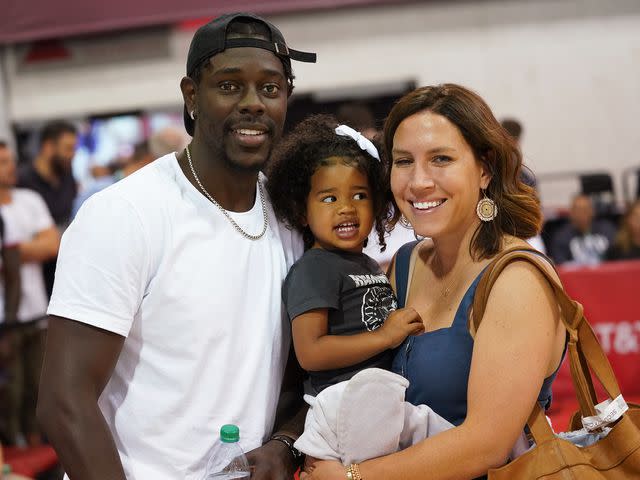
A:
<point x="377" y="303"/>
<point x="378" y="300"/>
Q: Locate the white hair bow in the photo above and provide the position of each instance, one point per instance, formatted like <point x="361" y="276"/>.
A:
<point x="363" y="142"/>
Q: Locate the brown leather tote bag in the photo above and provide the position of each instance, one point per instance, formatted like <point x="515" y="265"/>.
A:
<point x="614" y="457"/>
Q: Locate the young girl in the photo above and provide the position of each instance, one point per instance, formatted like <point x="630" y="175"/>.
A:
<point x="327" y="182"/>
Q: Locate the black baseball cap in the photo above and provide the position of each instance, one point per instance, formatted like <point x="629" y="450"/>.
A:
<point x="211" y="39"/>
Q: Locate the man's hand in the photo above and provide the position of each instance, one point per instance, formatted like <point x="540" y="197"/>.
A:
<point x="272" y="461"/>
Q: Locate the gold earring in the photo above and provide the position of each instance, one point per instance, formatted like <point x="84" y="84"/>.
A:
<point x="486" y="209"/>
<point x="404" y="222"/>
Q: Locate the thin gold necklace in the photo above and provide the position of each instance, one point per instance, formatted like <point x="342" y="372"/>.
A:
<point x="224" y="211"/>
<point x="444" y="293"/>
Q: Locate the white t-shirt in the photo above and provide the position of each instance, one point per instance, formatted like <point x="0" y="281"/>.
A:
<point x="150" y="258"/>
<point x="25" y="216"/>
<point x="10" y="239"/>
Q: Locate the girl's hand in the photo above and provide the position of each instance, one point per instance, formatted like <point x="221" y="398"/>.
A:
<point x="325" y="470"/>
<point x="400" y="324"/>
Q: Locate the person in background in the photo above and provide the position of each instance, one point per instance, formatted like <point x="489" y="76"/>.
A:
<point x="49" y="174"/>
<point x="166" y="316"/>
<point x="9" y="261"/>
<point x="38" y="241"/>
<point x="514" y="128"/>
<point x="360" y="117"/>
<point x="584" y="240"/>
<point x="626" y="245"/>
<point x="10" y="300"/>
<point x="162" y="142"/>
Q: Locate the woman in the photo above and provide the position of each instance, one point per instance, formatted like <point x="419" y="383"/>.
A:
<point x="455" y="176"/>
<point x="627" y="242"/>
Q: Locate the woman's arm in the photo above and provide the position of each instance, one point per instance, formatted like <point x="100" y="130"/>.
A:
<point x="518" y="344"/>
<point x="317" y="351"/>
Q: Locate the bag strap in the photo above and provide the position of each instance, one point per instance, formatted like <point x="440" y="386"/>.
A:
<point x="584" y="349"/>
<point x="403" y="261"/>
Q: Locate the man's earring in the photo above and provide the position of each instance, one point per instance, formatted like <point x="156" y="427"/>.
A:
<point x="486" y="209"/>
<point x="193" y="115"/>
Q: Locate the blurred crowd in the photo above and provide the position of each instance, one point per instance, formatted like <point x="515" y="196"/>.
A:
<point x="40" y="197"/>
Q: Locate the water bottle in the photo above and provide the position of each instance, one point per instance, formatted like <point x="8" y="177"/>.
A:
<point x="6" y="471"/>
<point x="228" y="461"/>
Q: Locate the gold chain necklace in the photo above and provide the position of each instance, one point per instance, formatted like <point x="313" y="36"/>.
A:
<point x="224" y="211"/>
<point x="444" y="293"/>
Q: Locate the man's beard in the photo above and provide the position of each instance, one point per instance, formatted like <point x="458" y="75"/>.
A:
<point x="240" y="168"/>
<point x="226" y="132"/>
<point x="220" y="151"/>
<point x="60" y="166"/>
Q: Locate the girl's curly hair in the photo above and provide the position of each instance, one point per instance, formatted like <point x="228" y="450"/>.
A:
<point x="300" y="154"/>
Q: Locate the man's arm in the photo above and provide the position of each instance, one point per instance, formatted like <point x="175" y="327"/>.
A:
<point x="274" y="460"/>
<point x="292" y="409"/>
<point x="79" y="361"/>
<point x="43" y="246"/>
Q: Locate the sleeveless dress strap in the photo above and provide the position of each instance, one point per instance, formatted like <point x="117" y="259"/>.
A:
<point x="403" y="260"/>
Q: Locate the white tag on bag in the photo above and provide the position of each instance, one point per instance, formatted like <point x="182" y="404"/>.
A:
<point x="607" y="412"/>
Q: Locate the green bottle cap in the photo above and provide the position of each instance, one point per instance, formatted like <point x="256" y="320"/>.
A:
<point x="6" y="469"/>
<point x="229" y="433"/>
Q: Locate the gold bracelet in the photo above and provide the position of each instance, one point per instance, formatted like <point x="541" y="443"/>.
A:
<point x="349" y="473"/>
<point x="353" y="472"/>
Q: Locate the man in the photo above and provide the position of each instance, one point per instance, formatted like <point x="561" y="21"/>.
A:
<point x="166" y="313"/>
<point x="10" y="299"/>
<point x="583" y="241"/>
<point x="38" y="239"/>
<point x="9" y="262"/>
<point x="50" y="175"/>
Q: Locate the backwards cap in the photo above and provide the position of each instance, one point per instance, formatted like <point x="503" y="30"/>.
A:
<point x="211" y="39"/>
